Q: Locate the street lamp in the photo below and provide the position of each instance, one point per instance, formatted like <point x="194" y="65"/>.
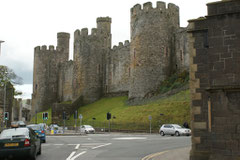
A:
<point x="0" y="45"/>
<point x="4" y="100"/>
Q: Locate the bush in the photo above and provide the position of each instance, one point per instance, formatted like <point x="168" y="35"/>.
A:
<point x="176" y="80"/>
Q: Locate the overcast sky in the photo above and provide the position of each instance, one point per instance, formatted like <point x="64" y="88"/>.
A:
<point x="25" y="24"/>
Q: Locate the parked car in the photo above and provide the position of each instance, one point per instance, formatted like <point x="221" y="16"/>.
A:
<point x="173" y="129"/>
<point x="19" y="142"/>
<point x="21" y="124"/>
<point x="53" y="127"/>
<point x="39" y="131"/>
<point x="87" y="129"/>
<point x="43" y="125"/>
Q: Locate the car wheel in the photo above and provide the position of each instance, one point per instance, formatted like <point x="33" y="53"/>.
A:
<point x="162" y="133"/>
<point x="177" y="133"/>
<point x="40" y="150"/>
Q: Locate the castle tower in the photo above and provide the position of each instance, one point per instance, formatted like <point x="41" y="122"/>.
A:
<point x="89" y="60"/>
<point x="63" y="42"/>
<point x="152" y="47"/>
<point x="104" y="31"/>
<point x="46" y="70"/>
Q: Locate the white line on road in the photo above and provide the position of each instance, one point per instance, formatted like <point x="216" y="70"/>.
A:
<point x="70" y="157"/>
<point x="77" y="146"/>
<point x="58" y="144"/>
<point x="72" y="144"/>
<point x="101" y="145"/>
<point x="130" y="138"/>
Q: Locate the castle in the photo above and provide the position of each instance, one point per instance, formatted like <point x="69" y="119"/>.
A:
<point x="158" y="48"/>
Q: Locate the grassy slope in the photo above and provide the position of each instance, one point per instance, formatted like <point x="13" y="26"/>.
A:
<point x="176" y="109"/>
<point x="39" y="117"/>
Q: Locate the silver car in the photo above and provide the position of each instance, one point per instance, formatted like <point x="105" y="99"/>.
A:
<point x="174" y="129"/>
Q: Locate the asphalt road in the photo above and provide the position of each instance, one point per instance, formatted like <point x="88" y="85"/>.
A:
<point x="115" y="146"/>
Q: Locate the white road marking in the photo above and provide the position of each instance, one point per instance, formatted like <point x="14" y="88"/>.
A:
<point x="58" y="144"/>
<point x="66" y="136"/>
<point x="151" y="156"/>
<point x="72" y="144"/>
<point x="101" y="145"/>
<point x="130" y="138"/>
<point x="77" y="146"/>
<point x="89" y="138"/>
<point x="70" y="157"/>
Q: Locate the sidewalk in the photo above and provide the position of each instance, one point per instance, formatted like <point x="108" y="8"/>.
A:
<point x="179" y="154"/>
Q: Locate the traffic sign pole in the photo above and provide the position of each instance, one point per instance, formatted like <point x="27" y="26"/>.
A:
<point x="80" y="117"/>
<point x="150" y="119"/>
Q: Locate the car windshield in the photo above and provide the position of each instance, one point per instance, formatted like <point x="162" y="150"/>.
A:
<point x="87" y="126"/>
<point x="177" y="126"/>
<point x="34" y="127"/>
<point x="11" y="133"/>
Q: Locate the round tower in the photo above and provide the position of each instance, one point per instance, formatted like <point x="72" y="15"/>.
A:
<point x="104" y="29"/>
<point x="63" y="42"/>
<point x="152" y="46"/>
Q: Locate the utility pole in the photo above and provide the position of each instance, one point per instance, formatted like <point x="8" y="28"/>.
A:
<point x="0" y="45"/>
<point x="4" y="100"/>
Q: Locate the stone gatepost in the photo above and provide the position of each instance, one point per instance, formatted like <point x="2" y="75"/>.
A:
<point x="215" y="82"/>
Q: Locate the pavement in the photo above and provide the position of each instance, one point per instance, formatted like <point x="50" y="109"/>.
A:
<point x="179" y="154"/>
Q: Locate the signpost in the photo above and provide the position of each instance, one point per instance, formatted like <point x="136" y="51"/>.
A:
<point x="80" y="117"/>
<point x="150" y="119"/>
<point x="75" y="118"/>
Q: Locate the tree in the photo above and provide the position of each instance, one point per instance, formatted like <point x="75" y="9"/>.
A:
<point x="7" y="75"/>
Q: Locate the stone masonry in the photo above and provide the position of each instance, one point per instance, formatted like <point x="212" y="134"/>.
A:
<point x="215" y="82"/>
<point x="156" y="50"/>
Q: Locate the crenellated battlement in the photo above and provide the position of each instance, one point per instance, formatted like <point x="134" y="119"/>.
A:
<point x="147" y="7"/>
<point x="84" y="33"/>
<point x="48" y="48"/>
<point x="121" y="45"/>
<point x="104" y="19"/>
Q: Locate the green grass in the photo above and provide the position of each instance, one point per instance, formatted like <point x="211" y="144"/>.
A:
<point x="176" y="109"/>
<point x="39" y="117"/>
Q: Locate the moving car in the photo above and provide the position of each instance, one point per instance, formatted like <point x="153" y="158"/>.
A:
<point x="174" y="129"/>
<point x="19" y="142"/>
<point x="40" y="132"/>
<point x="87" y="129"/>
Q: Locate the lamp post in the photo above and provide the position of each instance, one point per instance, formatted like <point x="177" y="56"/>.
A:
<point x="4" y="99"/>
<point x="0" y="45"/>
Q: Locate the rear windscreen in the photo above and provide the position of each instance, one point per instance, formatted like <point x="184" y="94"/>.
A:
<point x="11" y="133"/>
<point x="34" y="127"/>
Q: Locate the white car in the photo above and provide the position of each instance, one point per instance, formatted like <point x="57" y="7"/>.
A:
<point x="87" y="129"/>
<point x="174" y="129"/>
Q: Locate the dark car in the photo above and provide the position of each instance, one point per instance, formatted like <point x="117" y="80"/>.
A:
<point x="39" y="130"/>
<point x="19" y="142"/>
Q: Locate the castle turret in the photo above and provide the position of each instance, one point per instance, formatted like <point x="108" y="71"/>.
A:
<point x="104" y="29"/>
<point x="63" y="42"/>
<point x="152" y="47"/>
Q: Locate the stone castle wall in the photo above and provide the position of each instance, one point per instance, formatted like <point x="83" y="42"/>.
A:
<point x="215" y="82"/>
<point x="152" y="46"/>
<point x="65" y="81"/>
<point x="136" y="67"/>
<point x="118" y="68"/>
<point x="182" y="54"/>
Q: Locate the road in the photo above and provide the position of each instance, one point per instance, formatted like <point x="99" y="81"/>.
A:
<point x="115" y="146"/>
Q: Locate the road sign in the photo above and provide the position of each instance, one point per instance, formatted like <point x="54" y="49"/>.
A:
<point x="150" y="118"/>
<point x="80" y="116"/>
